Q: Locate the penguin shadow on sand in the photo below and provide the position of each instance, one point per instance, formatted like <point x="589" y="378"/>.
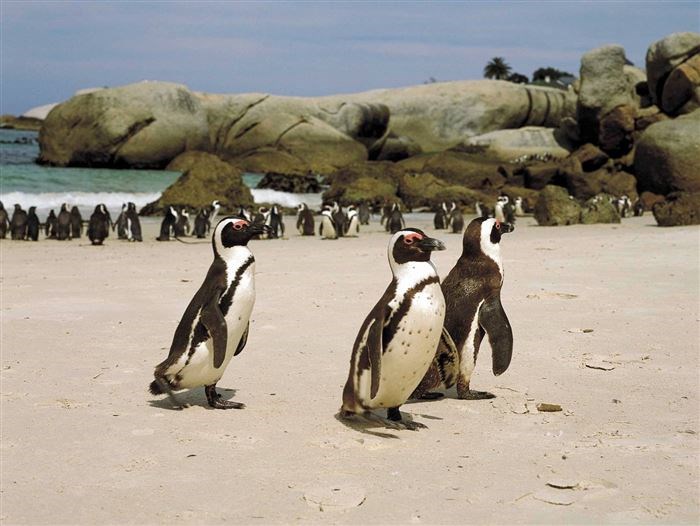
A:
<point x="366" y="425"/>
<point x="191" y="398"/>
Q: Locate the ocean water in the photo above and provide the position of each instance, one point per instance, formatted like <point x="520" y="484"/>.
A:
<point x="29" y="184"/>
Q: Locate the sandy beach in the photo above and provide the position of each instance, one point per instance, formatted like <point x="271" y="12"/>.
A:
<point x="605" y="321"/>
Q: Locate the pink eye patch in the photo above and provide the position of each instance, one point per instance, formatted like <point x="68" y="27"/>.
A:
<point x="411" y="238"/>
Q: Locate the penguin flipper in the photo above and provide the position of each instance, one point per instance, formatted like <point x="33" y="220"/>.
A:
<point x="494" y="321"/>
<point x="244" y="340"/>
<point x="214" y="321"/>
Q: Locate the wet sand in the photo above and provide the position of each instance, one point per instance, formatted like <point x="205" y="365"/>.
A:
<point x="605" y="319"/>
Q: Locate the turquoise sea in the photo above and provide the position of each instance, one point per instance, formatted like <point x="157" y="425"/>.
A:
<point x="29" y="184"/>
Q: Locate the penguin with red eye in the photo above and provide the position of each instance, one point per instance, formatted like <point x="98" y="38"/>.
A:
<point x="397" y="341"/>
<point x="472" y="292"/>
<point x="214" y="327"/>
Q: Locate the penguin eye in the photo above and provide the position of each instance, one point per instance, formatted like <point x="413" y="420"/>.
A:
<point x="410" y="238"/>
<point x="498" y="225"/>
<point x="238" y="226"/>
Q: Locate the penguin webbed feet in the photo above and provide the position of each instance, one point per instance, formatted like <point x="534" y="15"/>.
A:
<point x="215" y="401"/>
<point x="475" y="395"/>
<point x="392" y="421"/>
<point x="394" y="415"/>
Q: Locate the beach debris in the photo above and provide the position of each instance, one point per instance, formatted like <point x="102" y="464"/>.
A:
<point x="600" y="364"/>
<point x="556" y="497"/>
<point x="563" y="484"/>
<point x="334" y="497"/>
<point x="548" y="408"/>
<point x="579" y="331"/>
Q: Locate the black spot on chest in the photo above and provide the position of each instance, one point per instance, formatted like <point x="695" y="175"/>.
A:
<point x="400" y="313"/>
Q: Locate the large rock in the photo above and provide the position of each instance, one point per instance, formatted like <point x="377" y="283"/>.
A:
<point x="204" y="178"/>
<point x="599" y="209"/>
<point x="142" y="125"/>
<point x="681" y="92"/>
<point x="615" y="130"/>
<point x="590" y="157"/>
<point x="297" y="184"/>
<point x="680" y="208"/>
<point x="456" y="167"/>
<point x="667" y="156"/>
<point x="664" y="56"/>
<point x="555" y="207"/>
<point x="424" y="189"/>
<point x="375" y="182"/>
<point x="507" y="145"/>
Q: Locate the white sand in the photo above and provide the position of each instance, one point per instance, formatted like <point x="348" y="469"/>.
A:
<point x="83" y="441"/>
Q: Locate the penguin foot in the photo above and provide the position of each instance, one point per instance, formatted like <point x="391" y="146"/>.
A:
<point x="431" y="396"/>
<point x="371" y="417"/>
<point x="215" y="401"/>
<point x="164" y="386"/>
<point x="394" y="416"/>
<point x="476" y="395"/>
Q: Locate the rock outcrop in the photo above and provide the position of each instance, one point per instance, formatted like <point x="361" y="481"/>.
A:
<point x="555" y="207"/>
<point x="506" y="145"/>
<point x="662" y="58"/>
<point x="204" y="178"/>
<point x="599" y="209"/>
<point x="426" y="190"/>
<point x="679" y="208"/>
<point x="667" y="157"/>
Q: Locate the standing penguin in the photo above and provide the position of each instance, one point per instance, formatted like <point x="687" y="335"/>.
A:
<point x="364" y="213"/>
<point x="498" y="212"/>
<point x="33" y="225"/>
<point x="214" y="211"/>
<point x="353" y="222"/>
<point x="519" y="211"/>
<point x="51" y="225"/>
<point x="638" y="208"/>
<point x="306" y="224"/>
<point x="201" y="223"/>
<point x="133" y="224"/>
<point x="18" y="223"/>
<point x="4" y="221"/>
<point x="456" y="219"/>
<point x="328" y="229"/>
<point x="63" y="223"/>
<point x="182" y="225"/>
<point x="395" y="221"/>
<point x="168" y="224"/>
<point x="120" y="223"/>
<point x="440" y="218"/>
<point x="339" y="218"/>
<point x="98" y="228"/>
<point x="397" y="341"/>
<point x="214" y="327"/>
<point x="274" y="222"/>
<point x="473" y="301"/>
<point x="76" y="223"/>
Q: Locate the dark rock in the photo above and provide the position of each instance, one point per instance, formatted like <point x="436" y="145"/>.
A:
<point x="667" y="156"/>
<point x="615" y="131"/>
<point x="650" y="199"/>
<point x="204" y="178"/>
<point x="396" y="149"/>
<point x="599" y="209"/>
<point x="457" y="168"/>
<point x="591" y="157"/>
<point x="664" y="56"/>
<point x="648" y="116"/>
<point x="680" y="208"/>
<point x="373" y="182"/>
<point x="681" y="92"/>
<point x="298" y="184"/>
<point x="537" y="176"/>
<point x="555" y="207"/>
<point x="424" y="189"/>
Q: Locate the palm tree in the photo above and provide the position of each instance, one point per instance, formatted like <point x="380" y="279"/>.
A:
<point x="497" y="68"/>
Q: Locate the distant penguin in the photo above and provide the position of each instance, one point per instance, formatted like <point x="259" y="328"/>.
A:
<point x="352" y="228"/>
<point x="339" y="218"/>
<point x="120" y="223"/>
<point x="478" y="209"/>
<point x="327" y="229"/>
<point x="498" y="212"/>
<point x="214" y="211"/>
<point x="397" y="341"/>
<point x="638" y="208"/>
<point x="456" y="220"/>
<point x="306" y="225"/>
<point x="18" y="223"/>
<point x="4" y="221"/>
<point x="473" y="297"/>
<point x="386" y="213"/>
<point x="98" y="227"/>
<point x="51" y="225"/>
<point x="519" y="207"/>
<point x="508" y="210"/>
<point x="364" y="213"/>
<point x="182" y="225"/>
<point x="440" y="218"/>
<point x="168" y="224"/>
<point x="33" y="225"/>
<point x="395" y="222"/>
<point x="76" y="223"/>
<point x="243" y="213"/>
<point x="63" y="223"/>
<point x="274" y="222"/>
<point x="201" y="223"/>
<point x="214" y="327"/>
<point x="133" y="223"/>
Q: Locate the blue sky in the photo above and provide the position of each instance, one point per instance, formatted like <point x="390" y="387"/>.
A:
<point x="51" y="49"/>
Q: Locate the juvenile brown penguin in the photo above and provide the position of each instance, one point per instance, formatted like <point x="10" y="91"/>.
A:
<point x="472" y="292"/>
<point x="397" y="341"/>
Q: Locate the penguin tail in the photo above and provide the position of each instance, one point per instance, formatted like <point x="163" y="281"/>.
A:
<point x="154" y="388"/>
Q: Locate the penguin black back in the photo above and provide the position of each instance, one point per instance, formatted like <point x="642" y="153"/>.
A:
<point x="133" y="222"/>
<point x="201" y="223"/>
<point x="98" y="227"/>
<point x="18" y="223"/>
<point x="4" y="221"/>
<point x="32" y="224"/>
<point x="50" y="225"/>
<point x="168" y="224"/>
<point x="305" y="221"/>
<point x="76" y="223"/>
<point x="63" y="223"/>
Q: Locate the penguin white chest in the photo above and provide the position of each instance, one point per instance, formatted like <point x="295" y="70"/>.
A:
<point x="412" y="347"/>
<point x="328" y="229"/>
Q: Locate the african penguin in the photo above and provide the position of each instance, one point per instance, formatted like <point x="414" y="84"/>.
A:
<point x="395" y="221"/>
<point x="168" y="224"/>
<point x="201" y="223"/>
<point x="18" y="223"/>
<point x="33" y="225"/>
<point x="339" y="218"/>
<point x="50" y="225"/>
<point x="306" y="224"/>
<point x="364" y="213"/>
<point x="63" y="223"/>
<point x="120" y="223"/>
<point x="638" y="208"/>
<point x="181" y="228"/>
<point x="397" y="341"/>
<point x="473" y="301"/>
<point x="440" y="218"/>
<point x="328" y="229"/>
<point x="273" y="220"/>
<point x="98" y="227"/>
<point x="133" y="224"/>
<point x="455" y="220"/>
<point x="214" y="327"/>
<point x="4" y="221"/>
<point x="214" y="211"/>
<point x="76" y="223"/>
<point x="352" y="227"/>
<point x="498" y="212"/>
<point x="519" y="206"/>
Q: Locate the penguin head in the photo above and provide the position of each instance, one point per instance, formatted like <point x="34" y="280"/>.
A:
<point x="484" y="234"/>
<point x="234" y="231"/>
<point x="411" y="244"/>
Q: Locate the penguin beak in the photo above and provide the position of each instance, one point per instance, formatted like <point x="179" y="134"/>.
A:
<point x="507" y="227"/>
<point x="428" y="244"/>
